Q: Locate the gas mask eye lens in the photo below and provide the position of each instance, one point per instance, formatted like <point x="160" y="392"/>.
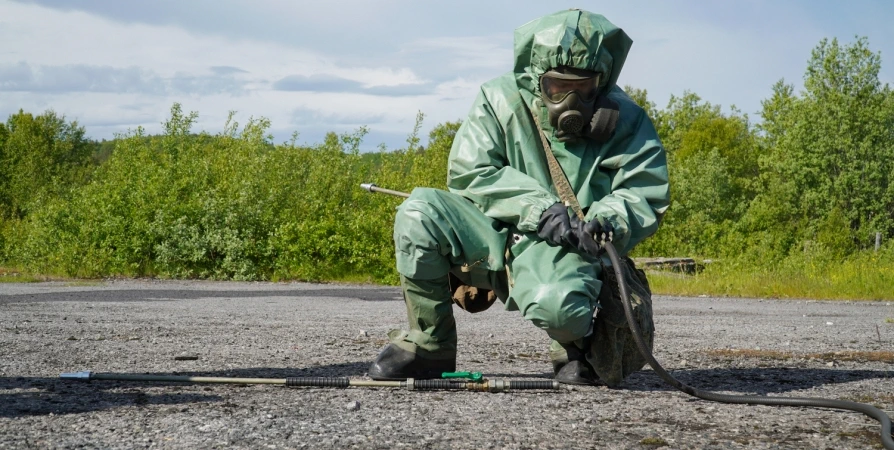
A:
<point x="556" y="89"/>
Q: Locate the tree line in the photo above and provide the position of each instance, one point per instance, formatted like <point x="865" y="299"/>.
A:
<point x="812" y="177"/>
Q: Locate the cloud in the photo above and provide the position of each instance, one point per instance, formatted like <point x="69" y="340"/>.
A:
<point x="459" y="89"/>
<point x="315" y="83"/>
<point x="402" y="90"/>
<point x="376" y="63"/>
<point x="332" y="83"/>
<point x="78" y="78"/>
<point x="351" y="30"/>
<point x="464" y="53"/>
<point x="226" y="70"/>
<point x="24" y="77"/>
<point x="184" y="83"/>
<point x="140" y="106"/>
<point x="308" y="117"/>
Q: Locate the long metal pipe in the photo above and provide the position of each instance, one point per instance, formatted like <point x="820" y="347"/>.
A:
<point x="371" y="187"/>
<point x="410" y="384"/>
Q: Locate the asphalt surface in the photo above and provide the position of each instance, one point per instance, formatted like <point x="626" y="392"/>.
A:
<point x="295" y="329"/>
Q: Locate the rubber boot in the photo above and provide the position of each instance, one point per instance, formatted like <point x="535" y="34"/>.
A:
<point x="395" y="363"/>
<point x="570" y="365"/>
<point x="428" y="348"/>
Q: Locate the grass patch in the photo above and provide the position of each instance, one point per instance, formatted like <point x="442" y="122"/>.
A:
<point x="18" y="279"/>
<point x="879" y="401"/>
<point x="14" y="276"/>
<point x="84" y="283"/>
<point x="750" y="353"/>
<point x="8" y="275"/>
<point x="654" y="442"/>
<point x="867" y="436"/>
<point x="862" y="276"/>
<point x="849" y="355"/>
<point x="857" y="356"/>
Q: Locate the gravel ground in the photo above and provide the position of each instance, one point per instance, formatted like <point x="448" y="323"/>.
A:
<point x="296" y="329"/>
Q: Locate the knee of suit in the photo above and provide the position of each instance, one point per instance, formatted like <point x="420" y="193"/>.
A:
<point x="415" y="225"/>
<point x="563" y="311"/>
<point x="419" y="240"/>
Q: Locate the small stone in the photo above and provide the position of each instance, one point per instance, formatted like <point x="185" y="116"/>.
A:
<point x="684" y="362"/>
<point x="363" y="334"/>
<point x="829" y="323"/>
<point x="72" y="338"/>
<point x="353" y="406"/>
<point x="490" y="335"/>
<point x="830" y="364"/>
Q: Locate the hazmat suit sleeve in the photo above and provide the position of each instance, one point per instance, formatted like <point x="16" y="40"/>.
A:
<point x="637" y="166"/>
<point x="478" y="169"/>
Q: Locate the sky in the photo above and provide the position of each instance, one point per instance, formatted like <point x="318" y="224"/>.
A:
<point x="314" y="67"/>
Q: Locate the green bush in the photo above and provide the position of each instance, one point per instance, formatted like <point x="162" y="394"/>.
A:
<point x="228" y="206"/>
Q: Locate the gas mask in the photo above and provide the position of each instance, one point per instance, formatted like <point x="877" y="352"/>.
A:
<point x="575" y="108"/>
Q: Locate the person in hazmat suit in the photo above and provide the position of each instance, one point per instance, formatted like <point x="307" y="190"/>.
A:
<point x="504" y="231"/>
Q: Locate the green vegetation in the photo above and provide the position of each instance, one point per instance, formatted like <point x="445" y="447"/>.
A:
<point x="787" y="207"/>
<point x="654" y="442"/>
<point x="228" y="206"/>
<point x="11" y="276"/>
<point x="815" y="274"/>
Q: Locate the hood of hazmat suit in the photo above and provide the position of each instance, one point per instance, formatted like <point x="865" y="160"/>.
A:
<point x="497" y="160"/>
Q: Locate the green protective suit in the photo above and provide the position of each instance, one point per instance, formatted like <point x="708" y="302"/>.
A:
<point x="484" y="229"/>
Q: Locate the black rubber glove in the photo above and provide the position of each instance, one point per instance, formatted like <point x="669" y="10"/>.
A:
<point x="556" y="228"/>
<point x="591" y="235"/>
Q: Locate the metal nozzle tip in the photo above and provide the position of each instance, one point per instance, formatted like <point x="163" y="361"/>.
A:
<point x="83" y="376"/>
<point x="368" y="186"/>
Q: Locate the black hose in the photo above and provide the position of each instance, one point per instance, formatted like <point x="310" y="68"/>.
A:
<point x="644" y="349"/>
<point x="439" y="385"/>
<point x="341" y="382"/>
<point x="516" y="385"/>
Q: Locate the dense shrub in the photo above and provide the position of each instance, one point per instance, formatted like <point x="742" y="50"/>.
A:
<point x="228" y="206"/>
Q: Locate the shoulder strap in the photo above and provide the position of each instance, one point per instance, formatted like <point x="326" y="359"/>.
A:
<point x="563" y="187"/>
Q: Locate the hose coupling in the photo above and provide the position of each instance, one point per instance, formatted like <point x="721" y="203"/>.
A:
<point x="81" y="376"/>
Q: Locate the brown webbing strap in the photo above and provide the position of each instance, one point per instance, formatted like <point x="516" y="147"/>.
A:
<point x="563" y="187"/>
